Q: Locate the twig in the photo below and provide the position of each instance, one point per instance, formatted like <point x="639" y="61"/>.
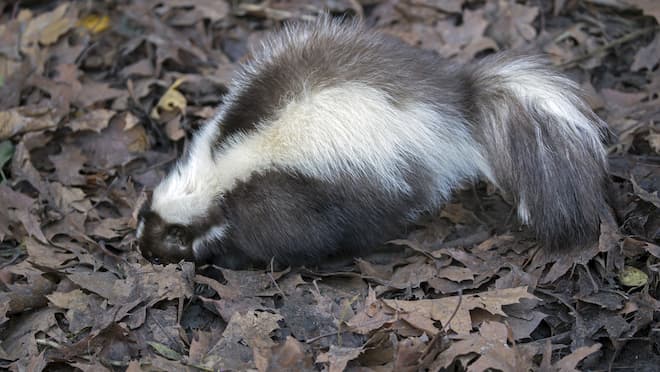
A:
<point x="445" y="327"/>
<point x="272" y="277"/>
<point x="314" y="339"/>
<point x="616" y="42"/>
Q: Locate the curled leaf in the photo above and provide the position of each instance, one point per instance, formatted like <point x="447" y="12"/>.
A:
<point x="171" y="100"/>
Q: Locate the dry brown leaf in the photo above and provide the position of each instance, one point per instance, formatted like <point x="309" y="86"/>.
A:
<point x="243" y="334"/>
<point x="26" y="119"/>
<point x="19" y="342"/>
<point x="650" y="7"/>
<point x="95" y="120"/>
<point x="288" y="356"/>
<point x="467" y="39"/>
<point x="412" y="275"/>
<point x="373" y="315"/>
<point x="456" y="273"/>
<point x="569" y="363"/>
<point x="338" y="357"/>
<point x="512" y="24"/>
<point x="651" y="197"/>
<point x="208" y="9"/>
<point x="92" y="92"/>
<point x="47" y="256"/>
<point x="488" y="350"/>
<point x="618" y="101"/>
<point x="68" y="165"/>
<point x="653" y="139"/>
<point x="442" y="309"/>
<point x="83" y="310"/>
<point x="47" y="27"/>
<point x="450" y="6"/>
<point x="110" y="228"/>
<point x="116" y="145"/>
<point x="222" y="290"/>
<point x="457" y="214"/>
<point x="647" y="57"/>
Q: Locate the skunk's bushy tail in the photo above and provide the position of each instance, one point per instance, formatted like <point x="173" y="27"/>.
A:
<point x="544" y="145"/>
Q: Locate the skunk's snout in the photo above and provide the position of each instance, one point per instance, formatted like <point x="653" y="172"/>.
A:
<point x="162" y="243"/>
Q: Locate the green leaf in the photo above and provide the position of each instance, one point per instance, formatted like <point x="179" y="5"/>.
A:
<point x="164" y="351"/>
<point x="6" y="152"/>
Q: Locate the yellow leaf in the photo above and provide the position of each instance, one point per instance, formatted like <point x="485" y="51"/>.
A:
<point x="171" y="100"/>
<point x="95" y="23"/>
<point x="633" y="277"/>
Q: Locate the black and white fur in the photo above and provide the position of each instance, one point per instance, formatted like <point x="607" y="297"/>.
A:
<point x="334" y="138"/>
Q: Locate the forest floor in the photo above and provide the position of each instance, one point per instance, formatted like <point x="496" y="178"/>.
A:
<point x="98" y="98"/>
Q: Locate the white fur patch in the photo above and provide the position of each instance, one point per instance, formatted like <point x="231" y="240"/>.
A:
<point x="548" y="92"/>
<point x="523" y="211"/>
<point x="140" y="230"/>
<point x="214" y="234"/>
<point x="351" y="130"/>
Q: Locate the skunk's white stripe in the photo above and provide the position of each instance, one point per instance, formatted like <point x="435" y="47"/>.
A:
<point x="214" y="234"/>
<point x="347" y="130"/>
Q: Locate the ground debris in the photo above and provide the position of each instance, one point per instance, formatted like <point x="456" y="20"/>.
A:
<point x="97" y="101"/>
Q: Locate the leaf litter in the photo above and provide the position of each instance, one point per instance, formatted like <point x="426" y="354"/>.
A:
<point x="98" y="99"/>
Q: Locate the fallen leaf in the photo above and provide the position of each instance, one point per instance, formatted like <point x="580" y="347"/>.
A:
<point x="25" y="119"/>
<point x="95" y="23"/>
<point x="291" y="355"/>
<point x="92" y="92"/>
<point x="569" y="363"/>
<point x="512" y="24"/>
<point x="487" y="350"/>
<point x="338" y="357"/>
<point x="243" y="333"/>
<point x="633" y="277"/>
<point x="647" y="57"/>
<point x="442" y="309"/>
<point x="164" y="350"/>
<point x="466" y="39"/>
<point x="652" y="198"/>
<point x="650" y="7"/>
<point x="209" y="9"/>
<point x="47" y="27"/>
<point x="95" y="120"/>
<point x="371" y="316"/>
<point x="68" y="165"/>
<point x="450" y="6"/>
<point x="171" y="100"/>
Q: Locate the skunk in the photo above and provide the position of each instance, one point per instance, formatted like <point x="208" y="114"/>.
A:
<point x="334" y="138"/>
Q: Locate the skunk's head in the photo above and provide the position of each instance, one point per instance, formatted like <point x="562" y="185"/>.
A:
<point x="177" y="226"/>
<point x="163" y="242"/>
